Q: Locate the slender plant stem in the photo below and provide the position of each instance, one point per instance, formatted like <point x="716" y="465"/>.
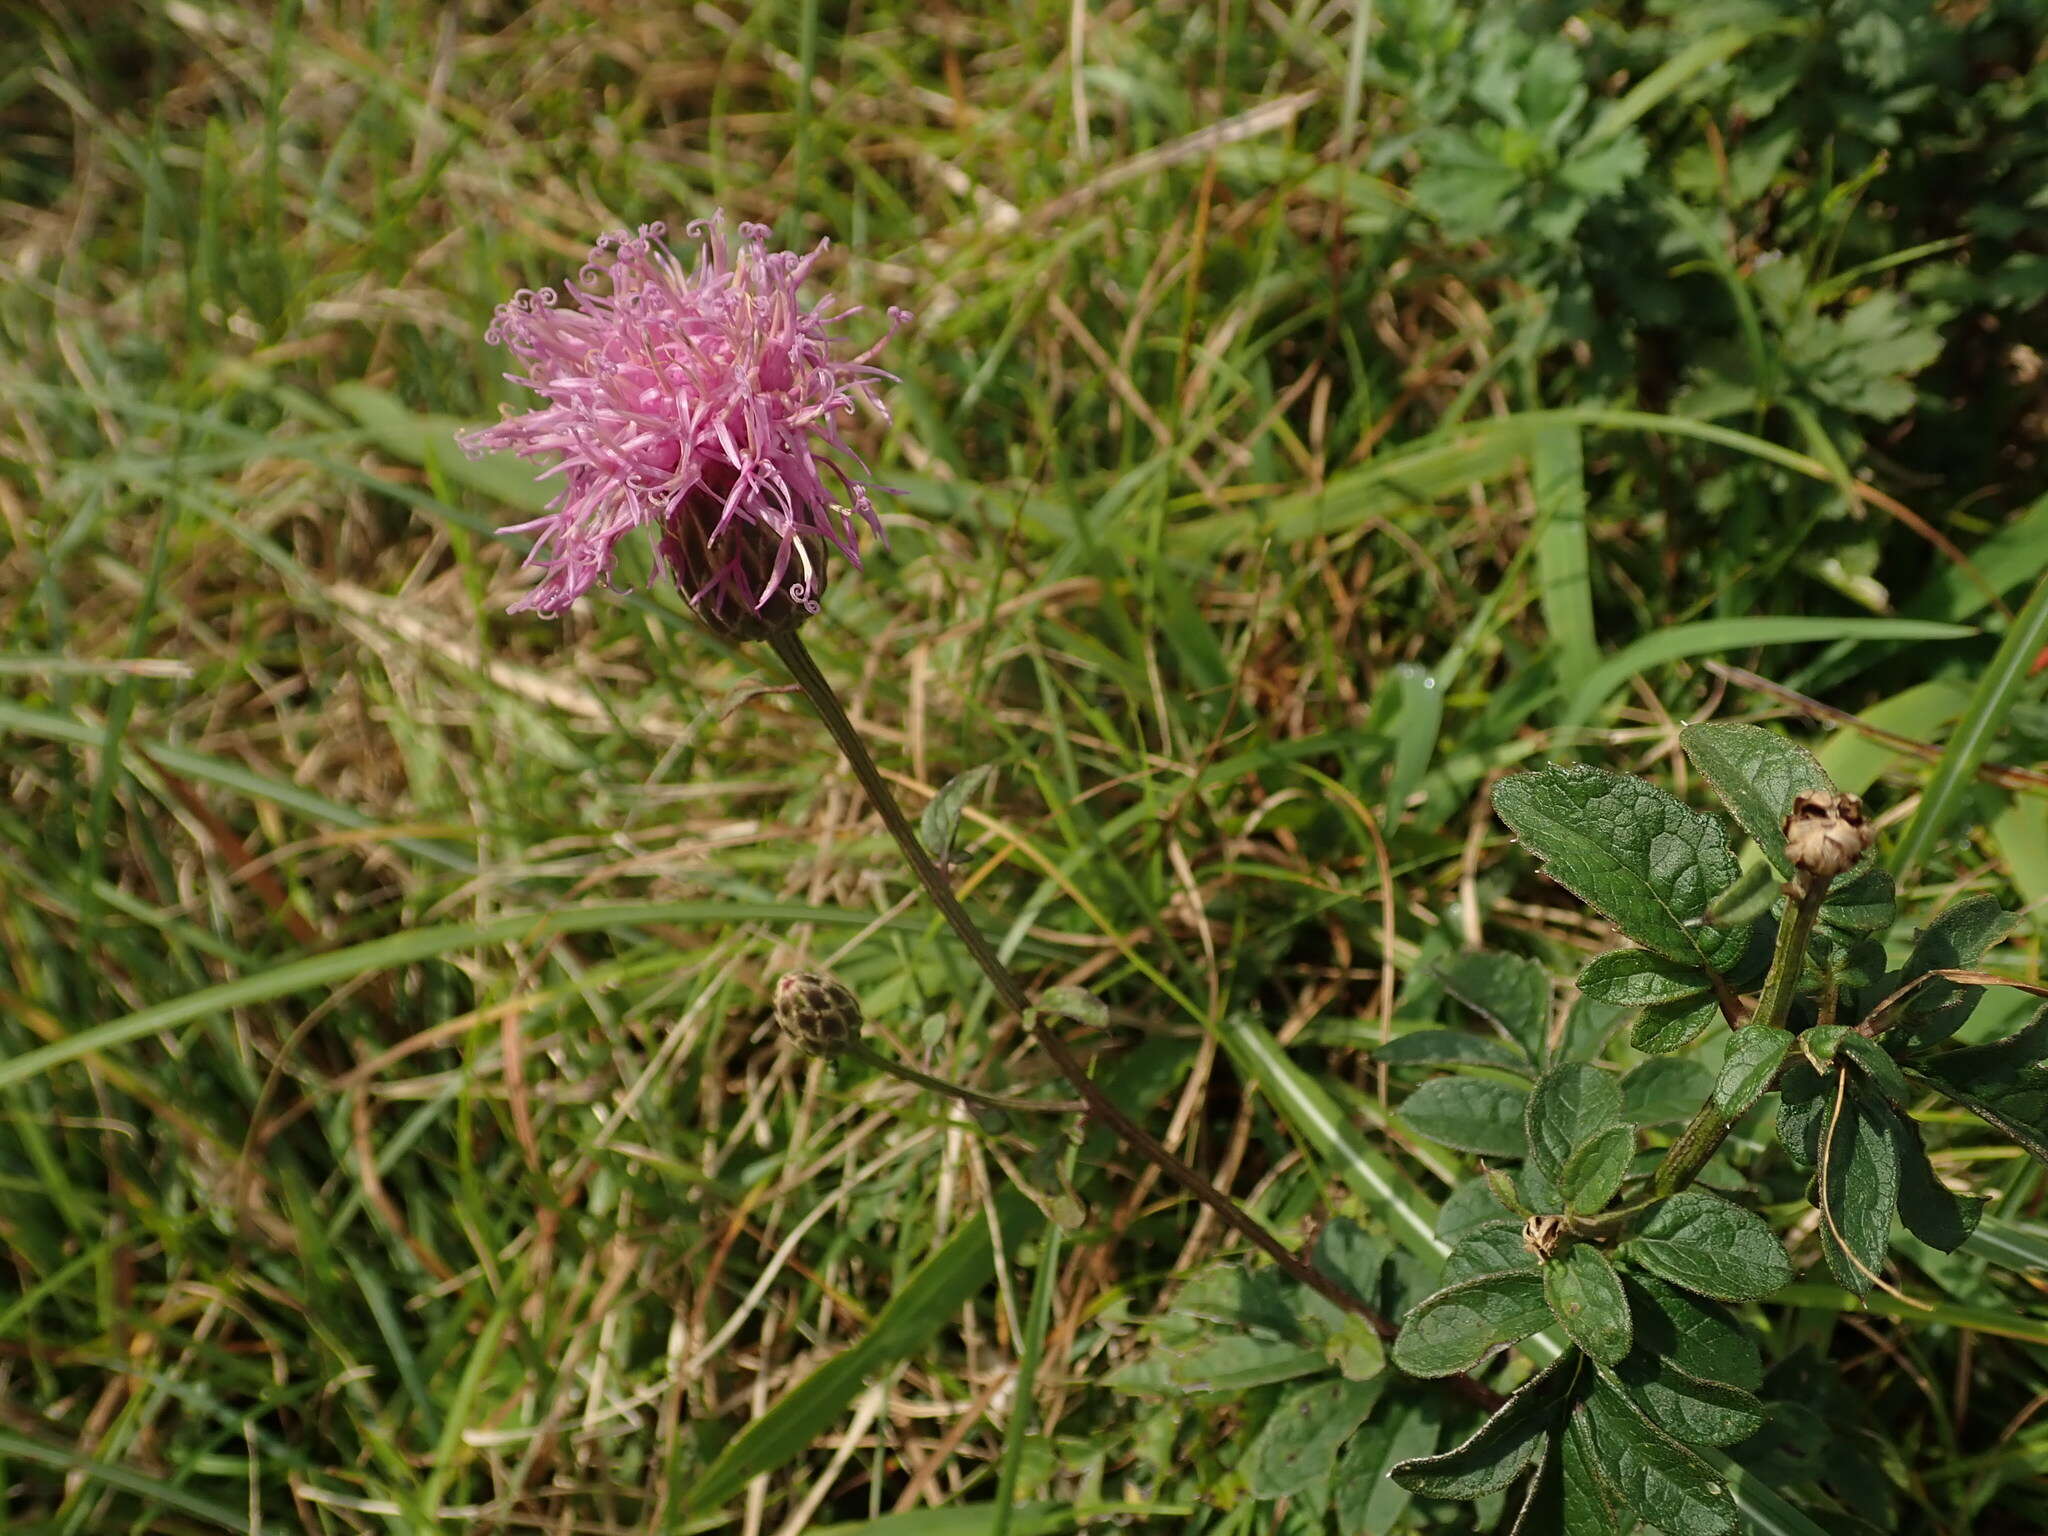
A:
<point x="1709" y="1127"/>
<point x="862" y="1051"/>
<point x="796" y="656"/>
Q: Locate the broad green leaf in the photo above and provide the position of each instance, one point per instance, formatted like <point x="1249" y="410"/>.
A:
<point x="1470" y="1206"/>
<point x="1673" y="1026"/>
<point x="1470" y="1114"/>
<point x="1587" y="1506"/>
<point x="1871" y="1059"/>
<point x="2004" y="1084"/>
<point x="1461" y="1325"/>
<point x="1686" y="1407"/>
<point x="1298" y="1443"/>
<point x="1628" y="850"/>
<point x="1501" y="1448"/>
<point x="1659" y="1480"/>
<point x="1585" y="1295"/>
<point x="1754" y="1056"/>
<point x="1803" y="1100"/>
<point x="1756" y="773"/>
<point x="1706" y="1244"/>
<point x="1351" y="1256"/>
<point x="1664" y="1089"/>
<point x="1858" y="1187"/>
<point x="1930" y="1210"/>
<point x="1570" y="1104"/>
<point x="1698" y="1337"/>
<point x="1955" y="940"/>
<point x="1865" y="901"/>
<point x="1034" y="1519"/>
<point x="939" y="826"/>
<point x="1451" y="1048"/>
<point x="1640" y="978"/>
<point x="1491" y="1248"/>
<point x="1365" y="1495"/>
<point x="1595" y="1171"/>
<point x="1508" y="991"/>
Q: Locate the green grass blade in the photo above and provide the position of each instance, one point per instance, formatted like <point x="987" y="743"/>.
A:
<point x="1711" y="637"/>
<point x="1996" y="693"/>
<point x="109" y="1475"/>
<point x="1563" y="572"/>
<point x="925" y="1303"/>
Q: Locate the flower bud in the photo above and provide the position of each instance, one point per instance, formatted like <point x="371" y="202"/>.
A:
<point x="1826" y="833"/>
<point x="819" y="1016"/>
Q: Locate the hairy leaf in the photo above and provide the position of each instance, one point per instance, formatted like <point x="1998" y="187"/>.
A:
<point x="1687" y="1407"/>
<point x="1931" y="1211"/>
<point x="1858" y="1187"/>
<point x="1570" y="1104"/>
<point x="1491" y="1248"/>
<point x="1955" y="940"/>
<point x="1502" y="1447"/>
<point x="1865" y="901"/>
<point x="1711" y="1246"/>
<point x="1588" y="1506"/>
<point x="1462" y="1324"/>
<point x="1659" y="1480"/>
<point x="1508" y="991"/>
<point x="1595" y="1171"/>
<point x="1756" y="773"/>
<point x="2004" y="1084"/>
<point x="1672" y="1027"/>
<point x="1640" y="978"/>
<point x="1585" y="1294"/>
<point x="1878" y="1069"/>
<point x="1754" y="1056"/>
<point x="1628" y="850"/>
<point x="1698" y="1337"/>
<point x="1802" y="1110"/>
<point x="1470" y="1114"/>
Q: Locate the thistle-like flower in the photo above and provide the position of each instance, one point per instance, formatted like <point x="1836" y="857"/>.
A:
<point x="699" y="403"/>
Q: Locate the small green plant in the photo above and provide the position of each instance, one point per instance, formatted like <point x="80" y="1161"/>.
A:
<point x="1619" y="1265"/>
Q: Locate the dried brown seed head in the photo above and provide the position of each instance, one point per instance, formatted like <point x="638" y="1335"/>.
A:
<point x="1826" y="833"/>
<point x="1541" y="1235"/>
<point x="819" y="1016"/>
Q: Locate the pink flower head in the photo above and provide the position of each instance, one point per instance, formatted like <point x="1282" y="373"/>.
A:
<point x="702" y="403"/>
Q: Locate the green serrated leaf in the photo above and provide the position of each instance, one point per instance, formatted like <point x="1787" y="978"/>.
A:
<point x="939" y="827"/>
<point x="1627" y="849"/>
<point x="1586" y="1296"/>
<point x="1298" y="1444"/>
<point x="1697" y="1336"/>
<point x="1570" y="1104"/>
<point x="1470" y="1114"/>
<point x="1595" y="1171"/>
<point x="1664" y="1089"/>
<point x="1657" y="1479"/>
<point x="1641" y="978"/>
<point x="1461" y="1325"/>
<point x="1866" y="901"/>
<point x="1754" y="1056"/>
<point x="1508" y="991"/>
<point x="1756" y="773"/>
<point x="1451" y="1048"/>
<point x="1687" y="1407"/>
<point x="1858" y="1187"/>
<point x="1955" y="940"/>
<point x="1930" y="1210"/>
<point x="1501" y="1448"/>
<point x="1491" y="1248"/>
<point x="1712" y="1246"/>
<point x="1673" y="1026"/>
